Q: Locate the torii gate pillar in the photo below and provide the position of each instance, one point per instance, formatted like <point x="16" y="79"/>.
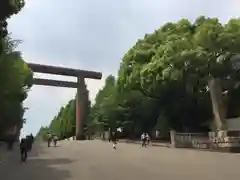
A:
<point x="81" y="105"/>
<point x="82" y="92"/>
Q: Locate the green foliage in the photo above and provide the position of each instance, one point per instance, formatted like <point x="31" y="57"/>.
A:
<point x="129" y="110"/>
<point x="162" y="82"/>
<point x="42" y="133"/>
<point x="174" y="64"/>
<point x="15" y="81"/>
<point x="7" y="9"/>
<point x="63" y="125"/>
<point x="15" y="76"/>
<point x="10" y="7"/>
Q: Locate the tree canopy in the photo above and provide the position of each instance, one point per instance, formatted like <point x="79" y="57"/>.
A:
<point x="64" y="123"/>
<point x="7" y="9"/>
<point x="163" y="79"/>
<point x="15" y="76"/>
<point x="174" y="64"/>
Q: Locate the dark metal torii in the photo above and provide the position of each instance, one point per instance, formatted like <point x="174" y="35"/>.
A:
<point x="82" y="92"/>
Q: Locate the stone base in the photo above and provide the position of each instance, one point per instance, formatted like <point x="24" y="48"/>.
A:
<point x="80" y="137"/>
<point x="227" y="149"/>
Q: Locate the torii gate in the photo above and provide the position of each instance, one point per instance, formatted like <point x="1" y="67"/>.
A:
<point x="80" y="85"/>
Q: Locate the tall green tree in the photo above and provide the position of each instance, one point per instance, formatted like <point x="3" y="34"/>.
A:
<point x="175" y="63"/>
<point x="15" y="81"/>
<point x="64" y="123"/>
<point x="15" y="77"/>
<point x="7" y="9"/>
<point x="163" y="79"/>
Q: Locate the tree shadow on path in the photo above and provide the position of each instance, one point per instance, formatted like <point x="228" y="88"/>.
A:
<point x="36" y="168"/>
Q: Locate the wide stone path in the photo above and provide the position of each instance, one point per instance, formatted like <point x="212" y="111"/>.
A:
<point x="96" y="160"/>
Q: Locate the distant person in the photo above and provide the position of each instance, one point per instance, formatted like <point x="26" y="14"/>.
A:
<point x="24" y="149"/>
<point x="49" y="139"/>
<point x="143" y="139"/>
<point x="147" y="138"/>
<point x="114" y="139"/>
<point x="30" y="140"/>
<point x="55" y="139"/>
<point x="110" y="134"/>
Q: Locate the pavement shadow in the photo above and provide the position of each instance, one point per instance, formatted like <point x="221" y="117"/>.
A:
<point x="36" y="168"/>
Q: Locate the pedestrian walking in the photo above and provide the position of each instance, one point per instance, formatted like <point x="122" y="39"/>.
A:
<point x="147" y="139"/>
<point x="30" y="140"/>
<point x="55" y="139"/>
<point x="114" y="139"/>
<point x="24" y="149"/>
<point x="49" y="139"/>
<point x="143" y="139"/>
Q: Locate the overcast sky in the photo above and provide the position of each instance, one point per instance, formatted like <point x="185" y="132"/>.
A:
<point x="93" y="35"/>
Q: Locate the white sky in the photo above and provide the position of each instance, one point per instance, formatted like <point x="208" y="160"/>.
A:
<point x="93" y="35"/>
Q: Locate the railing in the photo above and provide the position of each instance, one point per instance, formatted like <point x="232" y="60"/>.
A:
<point x="225" y="142"/>
<point x="219" y="141"/>
<point x="192" y="140"/>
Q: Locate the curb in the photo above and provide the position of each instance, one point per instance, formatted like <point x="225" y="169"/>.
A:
<point x="151" y="144"/>
<point x="167" y="145"/>
<point x="139" y="142"/>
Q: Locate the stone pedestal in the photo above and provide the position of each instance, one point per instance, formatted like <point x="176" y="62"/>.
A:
<point x="173" y="138"/>
<point x="220" y="141"/>
<point x="157" y="133"/>
<point x="222" y="133"/>
<point x="106" y="135"/>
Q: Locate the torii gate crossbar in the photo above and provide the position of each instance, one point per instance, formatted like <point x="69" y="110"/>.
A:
<point x="80" y="85"/>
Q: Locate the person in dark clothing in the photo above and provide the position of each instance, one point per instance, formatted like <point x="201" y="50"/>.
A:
<point x="147" y="138"/>
<point x="49" y="139"/>
<point x="143" y="138"/>
<point x="55" y="139"/>
<point x="30" y="140"/>
<point x="114" y="138"/>
<point x="23" y="149"/>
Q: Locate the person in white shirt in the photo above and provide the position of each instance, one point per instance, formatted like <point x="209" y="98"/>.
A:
<point x="147" y="138"/>
<point x="143" y="139"/>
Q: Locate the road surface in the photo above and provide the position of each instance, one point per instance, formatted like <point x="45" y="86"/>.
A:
<point x="96" y="160"/>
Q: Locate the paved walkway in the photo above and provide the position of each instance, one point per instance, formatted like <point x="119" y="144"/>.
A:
<point x="161" y="144"/>
<point x="96" y="160"/>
